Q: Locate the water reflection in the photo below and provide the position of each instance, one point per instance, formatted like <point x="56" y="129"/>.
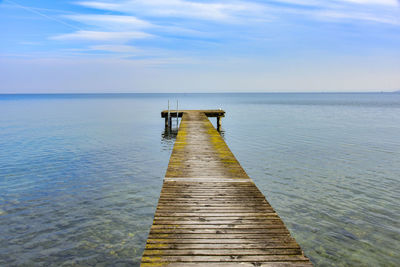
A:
<point x="168" y="137"/>
<point x="169" y="134"/>
<point x="222" y="132"/>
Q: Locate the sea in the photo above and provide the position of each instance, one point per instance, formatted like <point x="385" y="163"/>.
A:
<point x="80" y="174"/>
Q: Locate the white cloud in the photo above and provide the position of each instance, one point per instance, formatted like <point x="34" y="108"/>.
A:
<point x="220" y="11"/>
<point x="102" y="36"/>
<point x="327" y="4"/>
<point x="99" y="5"/>
<point x="338" y="15"/>
<point x="303" y="2"/>
<point x="377" y="11"/>
<point x="375" y="2"/>
<point x="115" y="22"/>
<point x="209" y="21"/>
<point x="380" y="11"/>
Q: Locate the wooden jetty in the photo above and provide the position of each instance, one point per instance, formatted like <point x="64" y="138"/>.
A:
<point x="210" y="213"/>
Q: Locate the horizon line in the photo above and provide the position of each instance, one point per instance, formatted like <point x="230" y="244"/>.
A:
<point x="127" y="93"/>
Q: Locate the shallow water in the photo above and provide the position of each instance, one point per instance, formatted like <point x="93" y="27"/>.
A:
<point x="80" y="175"/>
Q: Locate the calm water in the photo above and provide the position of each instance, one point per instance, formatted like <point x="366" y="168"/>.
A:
<point x="80" y="175"/>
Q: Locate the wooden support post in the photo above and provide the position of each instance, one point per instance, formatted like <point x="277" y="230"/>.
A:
<point x="168" y="120"/>
<point x="218" y="123"/>
<point x="177" y="114"/>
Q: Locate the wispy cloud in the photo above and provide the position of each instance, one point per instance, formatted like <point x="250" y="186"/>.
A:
<point x="101" y="36"/>
<point x="186" y="25"/>
<point x="324" y="3"/>
<point x="99" y="5"/>
<point x="355" y="15"/>
<point x="114" y="22"/>
<point x="39" y="12"/>
<point x="115" y="48"/>
<point x="375" y="2"/>
<point x="218" y="11"/>
<point x="379" y="11"/>
<point x="361" y="11"/>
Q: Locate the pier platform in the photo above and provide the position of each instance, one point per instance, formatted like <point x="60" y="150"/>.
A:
<point x="218" y="113"/>
<point x="210" y="213"/>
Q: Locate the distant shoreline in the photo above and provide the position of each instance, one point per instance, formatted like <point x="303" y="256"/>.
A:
<point x="199" y="93"/>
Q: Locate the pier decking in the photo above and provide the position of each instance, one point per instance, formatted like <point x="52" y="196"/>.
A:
<point x="210" y="213"/>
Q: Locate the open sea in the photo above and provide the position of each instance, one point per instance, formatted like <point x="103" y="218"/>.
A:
<point x="80" y="175"/>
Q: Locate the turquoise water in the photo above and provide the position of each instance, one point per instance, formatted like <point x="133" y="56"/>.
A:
<point x="80" y="175"/>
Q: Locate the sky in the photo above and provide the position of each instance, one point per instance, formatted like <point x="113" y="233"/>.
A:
<point x="123" y="46"/>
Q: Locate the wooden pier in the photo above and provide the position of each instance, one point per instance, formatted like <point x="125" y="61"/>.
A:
<point x="210" y="213"/>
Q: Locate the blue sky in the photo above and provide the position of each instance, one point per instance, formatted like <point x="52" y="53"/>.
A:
<point x="199" y="46"/>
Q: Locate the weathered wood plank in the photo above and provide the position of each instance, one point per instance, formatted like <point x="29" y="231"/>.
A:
<point x="216" y="210"/>
<point x="209" y="214"/>
<point x="217" y="235"/>
<point x="278" y="230"/>
<point x="217" y="223"/>
<point x="217" y="204"/>
<point x="215" y="241"/>
<point x="221" y="252"/>
<point x="224" y="258"/>
<point x="212" y="200"/>
<point x="272" y="225"/>
<point x="213" y="218"/>
<point x="229" y="264"/>
<point x="270" y="245"/>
